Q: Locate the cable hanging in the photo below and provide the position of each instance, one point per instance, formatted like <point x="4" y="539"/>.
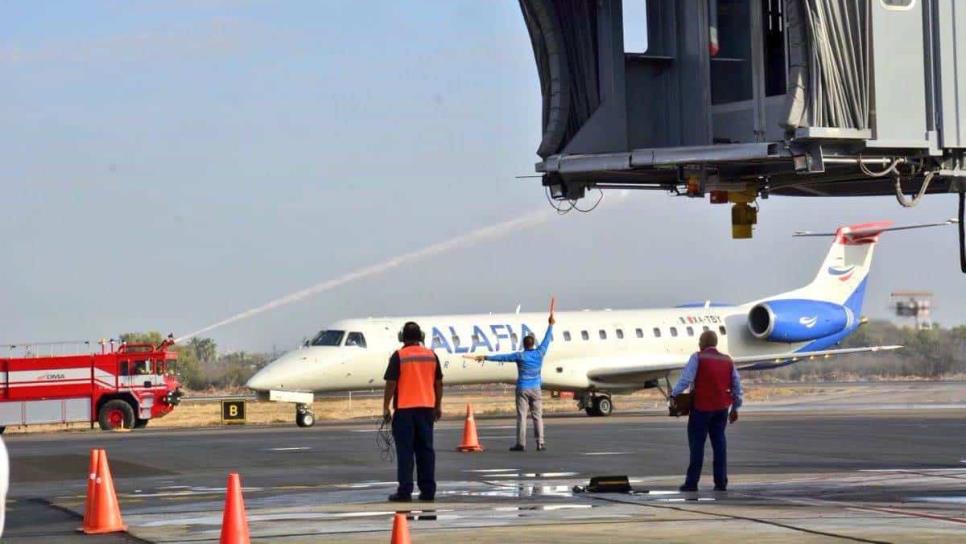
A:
<point x="571" y="203"/>
<point x="384" y="441"/>
<point x="906" y="202"/>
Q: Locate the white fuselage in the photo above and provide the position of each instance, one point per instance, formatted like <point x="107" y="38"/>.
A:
<point x="583" y="341"/>
<point x="598" y="351"/>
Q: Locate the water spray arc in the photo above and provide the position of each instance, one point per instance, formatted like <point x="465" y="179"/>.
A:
<point x="479" y="235"/>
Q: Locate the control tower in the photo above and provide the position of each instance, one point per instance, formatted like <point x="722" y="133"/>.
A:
<point x="914" y="304"/>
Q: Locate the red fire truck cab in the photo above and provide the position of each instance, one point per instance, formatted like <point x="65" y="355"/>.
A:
<point x="123" y="388"/>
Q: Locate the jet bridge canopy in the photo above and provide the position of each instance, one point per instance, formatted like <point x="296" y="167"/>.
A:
<point x="746" y="98"/>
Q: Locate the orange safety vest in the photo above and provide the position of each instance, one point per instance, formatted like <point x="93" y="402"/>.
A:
<point x="417" y="377"/>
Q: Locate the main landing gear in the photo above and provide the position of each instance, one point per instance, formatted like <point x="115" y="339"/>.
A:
<point x="304" y="416"/>
<point x="596" y="404"/>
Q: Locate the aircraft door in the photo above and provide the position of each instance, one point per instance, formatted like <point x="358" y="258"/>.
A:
<point x="899" y="74"/>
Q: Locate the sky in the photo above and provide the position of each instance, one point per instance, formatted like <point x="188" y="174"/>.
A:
<point x="168" y="164"/>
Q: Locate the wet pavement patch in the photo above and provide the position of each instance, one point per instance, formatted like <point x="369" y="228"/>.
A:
<point x="51" y="468"/>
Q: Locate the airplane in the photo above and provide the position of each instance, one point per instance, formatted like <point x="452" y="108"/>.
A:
<point x="597" y="353"/>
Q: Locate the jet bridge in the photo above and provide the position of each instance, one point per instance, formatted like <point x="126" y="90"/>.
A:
<point x="741" y="99"/>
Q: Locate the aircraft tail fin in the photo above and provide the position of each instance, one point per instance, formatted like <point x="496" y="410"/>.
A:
<point x="842" y="277"/>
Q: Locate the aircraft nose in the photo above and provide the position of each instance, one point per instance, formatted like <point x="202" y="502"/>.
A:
<point x="283" y="373"/>
<point x="261" y="381"/>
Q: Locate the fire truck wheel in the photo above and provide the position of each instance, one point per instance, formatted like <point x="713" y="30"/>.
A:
<point x="116" y="414"/>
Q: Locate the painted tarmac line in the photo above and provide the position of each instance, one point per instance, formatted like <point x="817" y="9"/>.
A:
<point x="607" y="453"/>
<point x="294" y="448"/>
<point x="849" y="506"/>
<point x="954" y="470"/>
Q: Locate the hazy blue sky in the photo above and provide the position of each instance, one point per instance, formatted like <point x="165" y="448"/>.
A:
<point x="167" y="164"/>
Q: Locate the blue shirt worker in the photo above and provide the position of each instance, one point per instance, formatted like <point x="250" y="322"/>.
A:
<point x="529" y="365"/>
<point x="715" y="386"/>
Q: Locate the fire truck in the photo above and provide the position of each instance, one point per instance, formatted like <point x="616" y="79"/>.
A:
<point x="121" y="388"/>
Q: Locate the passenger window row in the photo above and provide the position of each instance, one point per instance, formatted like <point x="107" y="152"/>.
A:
<point x="639" y="333"/>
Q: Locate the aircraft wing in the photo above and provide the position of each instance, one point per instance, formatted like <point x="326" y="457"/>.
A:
<point x="764" y="362"/>
<point x="638" y="372"/>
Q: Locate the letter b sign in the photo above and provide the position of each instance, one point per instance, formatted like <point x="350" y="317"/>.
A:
<point x="233" y="411"/>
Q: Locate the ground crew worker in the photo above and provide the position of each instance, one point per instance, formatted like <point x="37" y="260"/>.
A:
<point x="716" y="385"/>
<point x="529" y="365"/>
<point x="414" y="384"/>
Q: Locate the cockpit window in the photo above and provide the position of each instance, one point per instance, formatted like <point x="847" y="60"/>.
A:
<point x="328" y="338"/>
<point x="356" y="339"/>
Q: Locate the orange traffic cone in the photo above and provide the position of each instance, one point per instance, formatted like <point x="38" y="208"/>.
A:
<point x="105" y="513"/>
<point x="91" y="478"/>
<point x="234" y="523"/>
<point x="400" y="530"/>
<point x="471" y="442"/>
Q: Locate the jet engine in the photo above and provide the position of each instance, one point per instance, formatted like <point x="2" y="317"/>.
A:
<point x="798" y="320"/>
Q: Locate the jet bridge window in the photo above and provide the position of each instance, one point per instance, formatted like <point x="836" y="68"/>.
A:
<point x="567" y="336"/>
<point x="731" y="73"/>
<point x="773" y="31"/>
<point x="328" y="338"/>
<point x="356" y="339"/>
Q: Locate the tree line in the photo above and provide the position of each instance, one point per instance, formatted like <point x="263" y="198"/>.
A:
<point x="929" y="353"/>
<point x="199" y="365"/>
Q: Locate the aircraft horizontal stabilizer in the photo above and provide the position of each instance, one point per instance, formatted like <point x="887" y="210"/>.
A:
<point x="873" y="229"/>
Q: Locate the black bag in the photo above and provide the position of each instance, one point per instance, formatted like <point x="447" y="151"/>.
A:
<point x="680" y="405"/>
<point x="609" y="484"/>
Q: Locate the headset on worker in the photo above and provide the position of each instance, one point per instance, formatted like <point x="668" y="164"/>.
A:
<point x="411" y="333"/>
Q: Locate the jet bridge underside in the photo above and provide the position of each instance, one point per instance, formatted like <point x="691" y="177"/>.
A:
<point x="738" y="100"/>
<point x="769" y="168"/>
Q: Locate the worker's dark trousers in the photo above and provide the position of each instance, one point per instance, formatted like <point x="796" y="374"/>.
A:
<point x="700" y="426"/>
<point x="412" y="429"/>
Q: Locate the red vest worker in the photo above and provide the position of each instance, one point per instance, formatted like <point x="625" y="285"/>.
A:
<point x="716" y="386"/>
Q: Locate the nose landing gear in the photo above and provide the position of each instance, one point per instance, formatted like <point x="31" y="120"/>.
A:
<point x="304" y="416"/>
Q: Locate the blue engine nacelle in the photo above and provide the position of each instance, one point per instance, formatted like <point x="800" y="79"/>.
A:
<point x="798" y="320"/>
